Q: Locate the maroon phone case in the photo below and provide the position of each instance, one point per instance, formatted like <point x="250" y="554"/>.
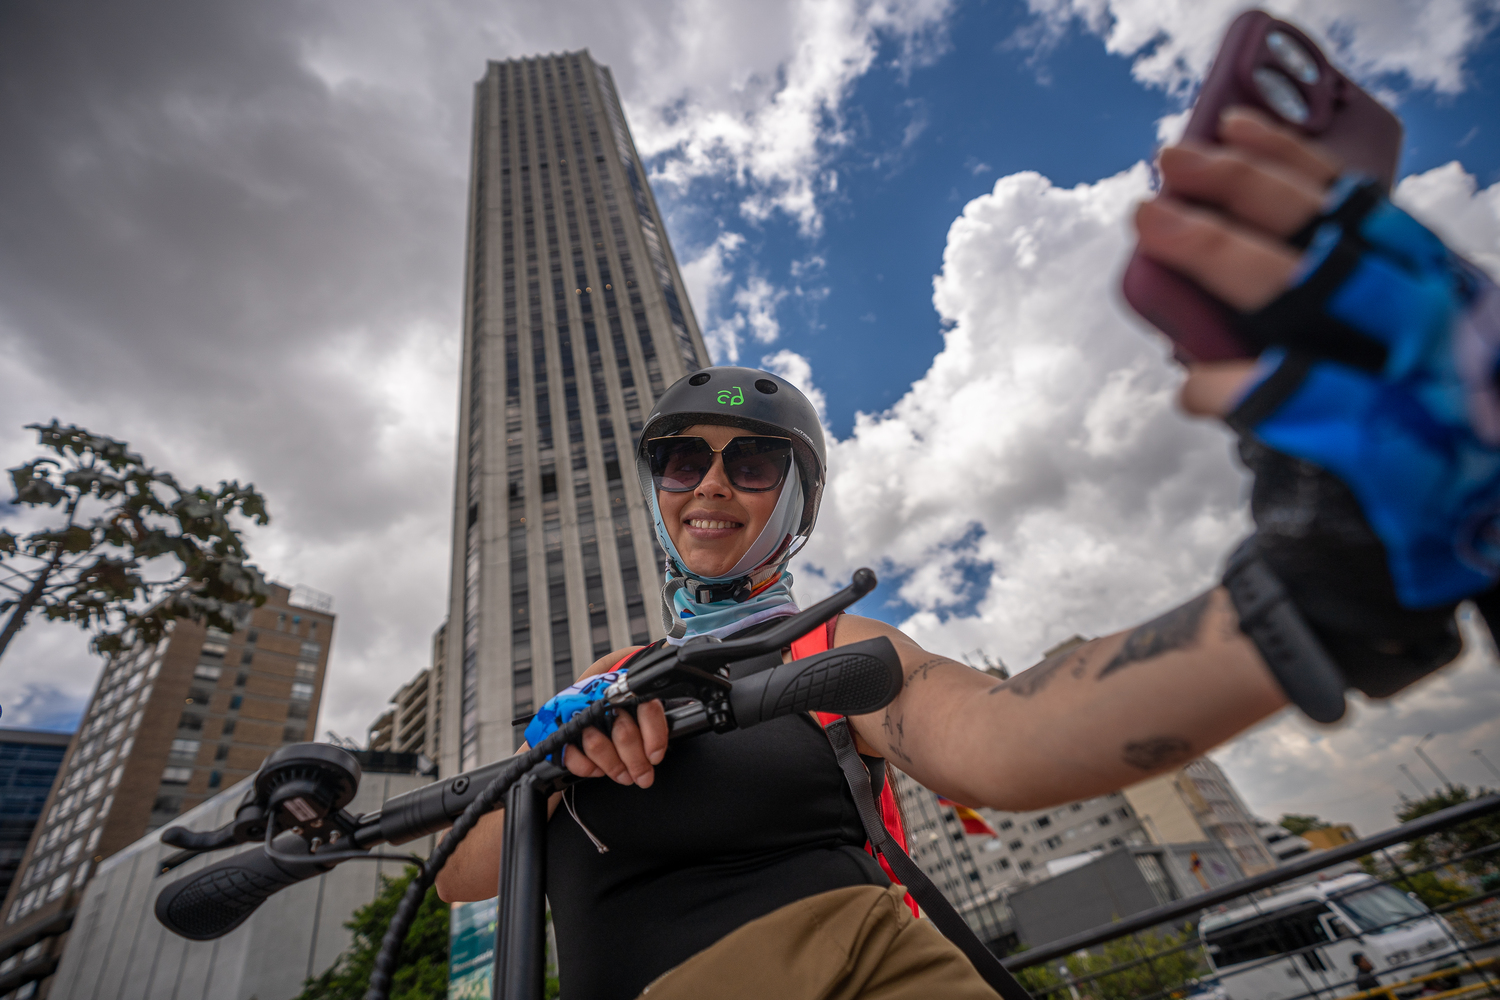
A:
<point x="1341" y="117"/>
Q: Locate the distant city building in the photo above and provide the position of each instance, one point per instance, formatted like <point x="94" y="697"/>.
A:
<point x="168" y="726"/>
<point x="1197" y="802"/>
<point x="119" y="951"/>
<point x="1120" y="882"/>
<point x="413" y="723"/>
<point x="1280" y="841"/>
<point x="575" y="320"/>
<point x="382" y="729"/>
<point x="405" y="726"/>
<point x="29" y="761"/>
<point x="977" y="870"/>
<point x="1325" y="838"/>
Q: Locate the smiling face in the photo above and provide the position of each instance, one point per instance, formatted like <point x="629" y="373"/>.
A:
<point x="714" y="525"/>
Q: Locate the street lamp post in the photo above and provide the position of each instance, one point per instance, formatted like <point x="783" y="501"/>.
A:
<point x="1409" y="777"/>
<point x="1440" y="776"/>
<point x="1480" y="754"/>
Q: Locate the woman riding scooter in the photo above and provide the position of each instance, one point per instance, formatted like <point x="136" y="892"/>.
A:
<point x="735" y="865"/>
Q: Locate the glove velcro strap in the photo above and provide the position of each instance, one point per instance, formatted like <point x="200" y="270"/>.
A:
<point x="1350" y="211"/>
<point x="1286" y="642"/>
<point x="1297" y="318"/>
<point x="1267" y="397"/>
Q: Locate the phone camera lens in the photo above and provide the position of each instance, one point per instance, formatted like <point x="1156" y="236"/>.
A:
<point x="1293" y="58"/>
<point x="1281" y="94"/>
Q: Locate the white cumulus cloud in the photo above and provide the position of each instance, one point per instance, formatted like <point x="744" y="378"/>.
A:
<point x="1173" y="41"/>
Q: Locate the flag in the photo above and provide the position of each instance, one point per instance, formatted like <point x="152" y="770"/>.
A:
<point x="974" y="824"/>
<point x="1197" y="867"/>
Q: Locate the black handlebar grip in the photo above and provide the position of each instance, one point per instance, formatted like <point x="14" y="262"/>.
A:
<point x="212" y="902"/>
<point x="850" y="680"/>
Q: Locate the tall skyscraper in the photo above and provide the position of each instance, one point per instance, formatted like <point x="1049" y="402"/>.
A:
<point x="169" y="725"/>
<point x="575" y="320"/>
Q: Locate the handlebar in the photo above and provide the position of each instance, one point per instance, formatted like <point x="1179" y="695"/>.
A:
<point x="213" y="902"/>
<point x="849" y="680"/>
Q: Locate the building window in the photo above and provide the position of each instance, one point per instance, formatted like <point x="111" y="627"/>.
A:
<point x="302" y="692"/>
<point x="293" y="734"/>
<point x="1043" y="821"/>
<point x="310" y="650"/>
<point x="228" y="729"/>
<point x="214" y="779"/>
<point x="307" y="672"/>
<point x="247" y="657"/>
<point x="59" y="885"/>
<point x="207" y="671"/>
<point x="242" y="678"/>
<point x="185" y="748"/>
<point x="222" y="753"/>
<point x="213" y="650"/>
<point x="236" y="702"/>
<point x="176" y="775"/>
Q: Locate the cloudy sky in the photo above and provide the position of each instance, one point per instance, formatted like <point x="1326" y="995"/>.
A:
<point x="231" y="234"/>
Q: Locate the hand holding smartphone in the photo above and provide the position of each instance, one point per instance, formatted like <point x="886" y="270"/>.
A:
<point x="1272" y="66"/>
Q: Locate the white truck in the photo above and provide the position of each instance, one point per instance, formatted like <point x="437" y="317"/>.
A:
<point x="1302" y="942"/>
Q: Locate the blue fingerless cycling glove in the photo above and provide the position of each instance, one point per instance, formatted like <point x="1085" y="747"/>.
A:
<point x="1380" y="367"/>
<point x="567" y="703"/>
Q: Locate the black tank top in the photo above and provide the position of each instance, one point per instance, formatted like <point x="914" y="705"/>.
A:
<point x="736" y="825"/>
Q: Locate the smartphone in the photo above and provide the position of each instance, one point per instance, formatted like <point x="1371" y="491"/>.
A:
<point x="1270" y="65"/>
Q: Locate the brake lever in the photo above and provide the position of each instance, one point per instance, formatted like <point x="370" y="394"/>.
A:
<point x="249" y="824"/>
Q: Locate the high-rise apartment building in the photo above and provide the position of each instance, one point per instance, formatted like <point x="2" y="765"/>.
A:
<point x="169" y="725"/>
<point x="575" y="320"/>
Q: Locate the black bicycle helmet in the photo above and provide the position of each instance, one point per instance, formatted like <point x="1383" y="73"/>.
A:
<point x="755" y="400"/>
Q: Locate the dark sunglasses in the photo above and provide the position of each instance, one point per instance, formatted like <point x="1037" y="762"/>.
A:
<point x="752" y="463"/>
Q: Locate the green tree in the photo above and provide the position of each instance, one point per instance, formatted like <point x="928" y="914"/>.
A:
<point x="116" y="516"/>
<point x="1165" y="972"/>
<point x="1299" y="825"/>
<point x="423" y="974"/>
<point x="1456" y="840"/>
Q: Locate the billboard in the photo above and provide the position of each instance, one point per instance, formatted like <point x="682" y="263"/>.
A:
<point x="471" y="950"/>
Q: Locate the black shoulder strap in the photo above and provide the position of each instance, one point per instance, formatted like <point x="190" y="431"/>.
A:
<point x="932" y="902"/>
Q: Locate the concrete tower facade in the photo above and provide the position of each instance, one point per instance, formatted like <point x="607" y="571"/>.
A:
<point x="575" y="320"/>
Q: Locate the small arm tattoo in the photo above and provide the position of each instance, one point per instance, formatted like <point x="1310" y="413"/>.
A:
<point x="1155" y="752"/>
<point x="921" y="670"/>
<point x="1177" y="629"/>
<point x="1031" y="680"/>
<point x="895" y="735"/>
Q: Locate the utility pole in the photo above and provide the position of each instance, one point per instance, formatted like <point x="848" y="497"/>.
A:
<point x="1446" y="783"/>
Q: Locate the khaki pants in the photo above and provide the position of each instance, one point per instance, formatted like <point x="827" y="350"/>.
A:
<point x="860" y="942"/>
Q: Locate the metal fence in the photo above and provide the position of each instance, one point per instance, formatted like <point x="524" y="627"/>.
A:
<point x="1158" y="954"/>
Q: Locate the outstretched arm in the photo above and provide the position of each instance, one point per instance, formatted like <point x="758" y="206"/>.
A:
<point x="1082" y="723"/>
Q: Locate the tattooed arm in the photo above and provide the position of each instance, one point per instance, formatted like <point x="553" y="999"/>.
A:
<point x="1088" y="721"/>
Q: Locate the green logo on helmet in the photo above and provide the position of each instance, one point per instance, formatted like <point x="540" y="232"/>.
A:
<point x="731" y="397"/>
